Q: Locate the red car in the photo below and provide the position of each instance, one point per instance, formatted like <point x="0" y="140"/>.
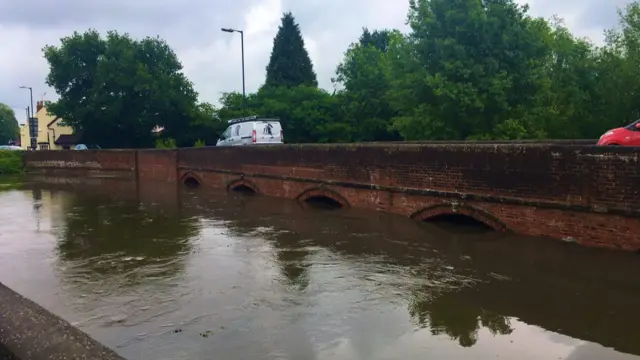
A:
<point x="623" y="136"/>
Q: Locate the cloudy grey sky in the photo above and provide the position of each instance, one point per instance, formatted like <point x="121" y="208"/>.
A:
<point x="210" y="57"/>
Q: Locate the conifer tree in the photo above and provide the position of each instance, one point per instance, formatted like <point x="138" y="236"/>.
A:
<point x="290" y="64"/>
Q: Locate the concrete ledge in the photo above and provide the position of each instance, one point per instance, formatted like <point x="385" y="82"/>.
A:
<point x="28" y="331"/>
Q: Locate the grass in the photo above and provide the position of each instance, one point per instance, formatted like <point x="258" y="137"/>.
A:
<point x="11" y="162"/>
<point x="11" y="182"/>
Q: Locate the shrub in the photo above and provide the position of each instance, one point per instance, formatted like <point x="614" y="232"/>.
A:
<point x="11" y="162"/>
<point x="199" y="143"/>
<point x="166" y="143"/>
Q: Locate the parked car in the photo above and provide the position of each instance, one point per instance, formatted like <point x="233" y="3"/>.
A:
<point x="623" y="136"/>
<point x="11" y="147"/>
<point x="252" y="130"/>
<point x="87" y="147"/>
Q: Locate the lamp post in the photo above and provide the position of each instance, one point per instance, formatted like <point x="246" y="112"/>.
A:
<point x="30" y="93"/>
<point x="244" y="96"/>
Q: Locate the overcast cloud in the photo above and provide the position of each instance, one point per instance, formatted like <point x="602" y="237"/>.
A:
<point x="211" y="58"/>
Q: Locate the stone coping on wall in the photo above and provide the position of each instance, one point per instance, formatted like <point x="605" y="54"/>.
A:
<point x="578" y="142"/>
<point x="508" y="146"/>
<point x="575" y="145"/>
<point x="28" y="331"/>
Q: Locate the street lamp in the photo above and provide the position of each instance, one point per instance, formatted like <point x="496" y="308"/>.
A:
<point x="31" y="93"/>
<point x="244" y="96"/>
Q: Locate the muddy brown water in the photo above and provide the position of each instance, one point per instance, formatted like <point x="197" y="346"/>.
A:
<point x="161" y="272"/>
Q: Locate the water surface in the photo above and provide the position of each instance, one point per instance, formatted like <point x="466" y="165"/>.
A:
<point x="155" y="272"/>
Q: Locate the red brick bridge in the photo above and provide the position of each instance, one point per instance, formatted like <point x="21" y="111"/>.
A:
<point x="578" y="193"/>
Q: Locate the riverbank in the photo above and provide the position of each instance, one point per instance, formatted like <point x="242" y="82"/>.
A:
<point x="28" y="331"/>
<point x="11" y="162"/>
<point x="12" y="181"/>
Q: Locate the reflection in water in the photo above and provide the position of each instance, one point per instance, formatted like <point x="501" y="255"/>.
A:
<point x="290" y="251"/>
<point x="471" y="276"/>
<point x="115" y="239"/>
<point x="448" y="313"/>
<point x="292" y="258"/>
<point x="37" y="204"/>
<point x="436" y="306"/>
<point x="159" y="274"/>
<point x="122" y="260"/>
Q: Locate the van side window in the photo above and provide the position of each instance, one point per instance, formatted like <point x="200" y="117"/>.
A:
<point x="227" y="133"/>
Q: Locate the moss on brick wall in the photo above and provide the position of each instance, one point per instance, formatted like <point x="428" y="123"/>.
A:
<point x="11" y="162"/>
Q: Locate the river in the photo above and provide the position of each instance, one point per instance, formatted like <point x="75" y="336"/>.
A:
<point x="156" y="272"/>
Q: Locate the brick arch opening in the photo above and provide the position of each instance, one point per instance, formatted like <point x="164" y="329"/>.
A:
<point x="322" y="198"/>
<point x="191" y="180"/>
<point x="461" y="215"/>
<point x="243" y="186"/>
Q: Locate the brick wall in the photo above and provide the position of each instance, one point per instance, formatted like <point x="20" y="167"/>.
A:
<point x="568" y="175"/>
<point x="114" y="188"/>
<point x="91" y="163"/>
<point x="157" y="165"/>
<point x="580" y="193"/>
<point x="577" y="193"/>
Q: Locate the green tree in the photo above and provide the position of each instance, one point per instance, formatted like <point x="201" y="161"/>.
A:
<point x="307" y="114"/>
<point x="205" y="126"/>
<point x="469" y="69"/>
<point x="379" y="39"/>
<point x="114" y="90"/>
<point x="9" y="128"/>
<point x="290" y="64"/>
<point x="572" y="69"/>
<point x="618" y="70"/>
<point x="231" y="106"/>
<point x="364" y="76"/>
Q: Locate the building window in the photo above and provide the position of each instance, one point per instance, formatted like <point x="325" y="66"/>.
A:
<point x="44" y="146"/>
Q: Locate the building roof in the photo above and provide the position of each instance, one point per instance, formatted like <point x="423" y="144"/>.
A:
<point x="65" y="140"/>
<point x="53" y="121"/>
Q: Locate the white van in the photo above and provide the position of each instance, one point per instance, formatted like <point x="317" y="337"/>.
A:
<point x="252" y="130"/>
